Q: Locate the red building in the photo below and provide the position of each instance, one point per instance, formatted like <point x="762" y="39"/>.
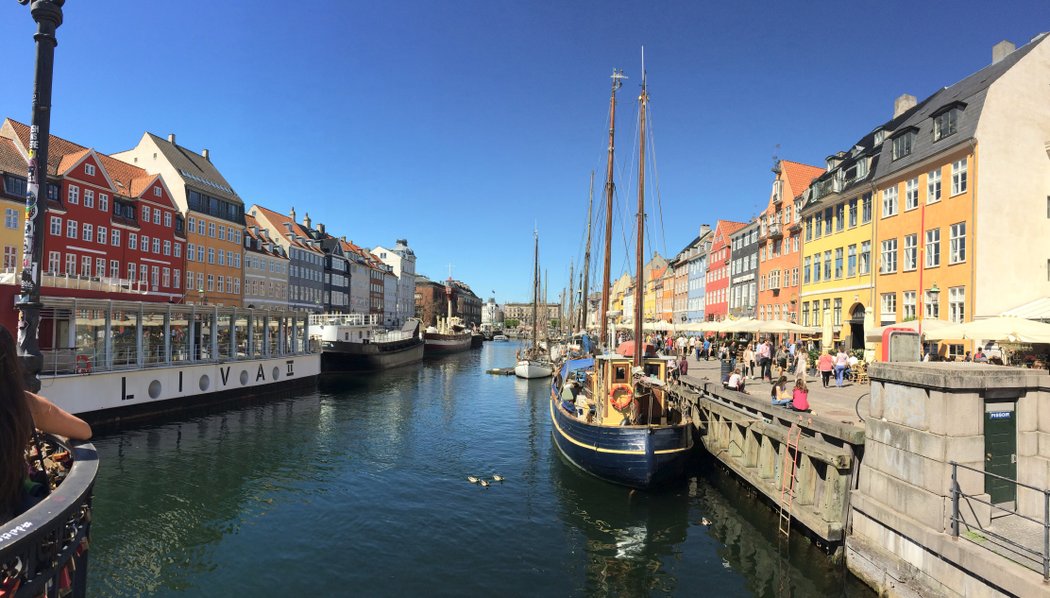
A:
<point x="111" y="230"/>
<point x="716" y="295"/>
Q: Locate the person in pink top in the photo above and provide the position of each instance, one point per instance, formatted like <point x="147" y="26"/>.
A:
<point x="800" y="395"/>
<point x="841" y="363"/>
<point x="825" y="364"/>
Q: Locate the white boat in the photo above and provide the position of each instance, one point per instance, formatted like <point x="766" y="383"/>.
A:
<point x="532" y="368"/>
<point x="500" y="338"/>
<point x="351" y="342"/>
<point x="535" y="361"/>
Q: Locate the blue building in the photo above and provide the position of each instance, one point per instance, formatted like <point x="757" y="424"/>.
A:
<point x="694" y="256"/>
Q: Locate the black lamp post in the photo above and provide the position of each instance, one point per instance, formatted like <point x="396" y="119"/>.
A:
<point x="48" y="17"/>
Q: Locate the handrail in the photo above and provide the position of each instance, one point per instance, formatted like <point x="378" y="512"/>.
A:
<point x="956" y="519"/>
<point x="46" y="547"/>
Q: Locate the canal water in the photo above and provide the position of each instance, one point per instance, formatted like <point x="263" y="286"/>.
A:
<point x="360" y="488"/>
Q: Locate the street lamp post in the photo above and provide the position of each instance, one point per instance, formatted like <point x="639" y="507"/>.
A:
<point x="48" y="17"/>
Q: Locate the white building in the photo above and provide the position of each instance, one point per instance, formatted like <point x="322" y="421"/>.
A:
<point x="491" y="314"/>
<point x="402" y="262"/>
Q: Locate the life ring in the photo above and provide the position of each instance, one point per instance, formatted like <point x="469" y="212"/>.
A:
<point x="83" y="364"/>
<point x="621" y="395"/>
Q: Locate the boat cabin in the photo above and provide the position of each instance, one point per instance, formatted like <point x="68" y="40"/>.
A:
<point x="624" y="398"/>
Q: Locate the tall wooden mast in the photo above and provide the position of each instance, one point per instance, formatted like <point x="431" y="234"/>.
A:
<point x="617" y="78"/>
<point x="571" y="324"/>
<point x="643" y="102"/>
<point x="535" y="289"/>
<point x="587" y="260"/>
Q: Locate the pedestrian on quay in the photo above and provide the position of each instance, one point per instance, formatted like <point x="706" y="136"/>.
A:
<point x="779" y="392"/>
<point x="707" y="349"/>
<point x="20" y="412"/>
<point x="801" y="363"/>
<point x="748" y="362"/>
<point x="672" y="368"/>
<point x="841" y="363"/>
<point x="781" y="360"/>
<point x="683" y="366"/>
<point x="825" y="365"/>
<point x="764" y="359"/>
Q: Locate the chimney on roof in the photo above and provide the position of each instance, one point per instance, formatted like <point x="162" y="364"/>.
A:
<point x="206" y="154"/>
<point x="306" y="219"/>
<point x="320" y="227"/>
<point x="171" y="138"/>
<point x="291" y="214"/>
<point x="903" y="103"/>
<point x="1002" y="50"/>
<point x="704" y="229"/>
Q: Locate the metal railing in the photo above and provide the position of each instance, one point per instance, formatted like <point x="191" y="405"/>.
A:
<point x="44" y="551"/>
<point x="1042" y="555"/>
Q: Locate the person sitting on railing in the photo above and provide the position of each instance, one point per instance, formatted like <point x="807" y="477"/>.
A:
<point x="800" y="395"/>
<point x="735" y="381"/>
<point x="20" y="412"/>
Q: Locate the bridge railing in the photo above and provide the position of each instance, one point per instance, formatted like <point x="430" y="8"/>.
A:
<point x="44" y="551"/>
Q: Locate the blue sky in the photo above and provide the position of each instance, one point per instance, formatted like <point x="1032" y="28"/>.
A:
<point x="460" y="125"/>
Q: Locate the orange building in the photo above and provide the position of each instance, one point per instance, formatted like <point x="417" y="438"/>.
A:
<point x="214" y="217"/>
<point x="780" y="242"/>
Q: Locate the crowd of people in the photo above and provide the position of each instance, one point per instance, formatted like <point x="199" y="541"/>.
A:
<point x="765" y="360"/>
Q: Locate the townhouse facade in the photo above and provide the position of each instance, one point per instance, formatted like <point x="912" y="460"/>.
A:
<point x="402" y="262"/>
<point x="716" y="294"/>
<point x="696" y="264"/>
<point x="265" y="268"/>
<point x="743" y="271"/>
<point x="305" y="258"/>
<point x="110" y="227"/>
<point x="780" y="242"/>
<point x="12" y="203"/>
<point x="214" y="217"/>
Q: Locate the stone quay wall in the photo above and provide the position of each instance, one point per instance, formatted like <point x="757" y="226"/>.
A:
<point x="922" y="416"/>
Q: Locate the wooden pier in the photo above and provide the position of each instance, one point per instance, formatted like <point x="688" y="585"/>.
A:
<point x="758" y="442"/>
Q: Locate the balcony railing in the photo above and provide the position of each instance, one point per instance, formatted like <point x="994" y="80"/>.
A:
<point x="44" y="551"/>
<point x="775" y="232"/>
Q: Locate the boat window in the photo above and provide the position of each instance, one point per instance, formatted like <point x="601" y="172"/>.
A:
<point x="652" y="369"/>
<point x="620" y="374"/>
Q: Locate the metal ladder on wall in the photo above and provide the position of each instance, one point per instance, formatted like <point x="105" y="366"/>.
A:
<point x="788" y="476"/>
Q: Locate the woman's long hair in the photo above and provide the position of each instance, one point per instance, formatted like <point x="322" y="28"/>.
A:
<point x="16" y="424"/>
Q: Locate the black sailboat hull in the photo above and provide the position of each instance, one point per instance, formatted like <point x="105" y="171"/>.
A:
<point x="635" y="456"/>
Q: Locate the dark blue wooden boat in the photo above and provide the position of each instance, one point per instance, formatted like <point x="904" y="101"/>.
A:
<point x="636" y="455"/>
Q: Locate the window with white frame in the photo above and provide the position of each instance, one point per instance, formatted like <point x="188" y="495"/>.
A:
<point x="85" y="266"/>
<point x="89" y="198"/>
<point x="71" y="264"/>
<point x="957" y="240"/>
<point x="910" y="258"/>
<point x="165" y="280"/>
<point x="100" y="267"/>
<point x="131" y="271"/>
<point x="178" y="250"/>
<point x="10" y="218"/>
<point x="911" y="194"/>
<point x="908" y="305"/>
<point x="102" y="235"/>
<point x="933" y="186"/>
<point x="145" y="213"/>
<point x="865" y="212"/>
<point x="957" y="304"/>
<point x="167" y="248"/>
<point x="54" y="261"/>
<point x="156" y="245"/>
<point x="103" y="203"/>
<point x="837" y="311"/>
<point x="889" y="307"/>
<point x="72" y="229"/>
<point x="133" y="241"/>
<point x="144" y="243"/>
<point x="74" y="195"/>
<point x="888" y="263"/>
<point x="902" y="144"/>
<point x="114" y="238"/>
<point x="114" y="268"/>
<point x="959" y="176"/>
<point x="177" y="278"/>
<point x="838" y="262"/>
<point x="851" y="260"/>
<point x="156" y="216"/>
<point x="889" y="201"/>
<point x="156" y="191"/>
<point x="933" y="248"/>
<point x="805" y="271"/>
<point x="167" y="219"/>
<point x="56" y="225"/>
<point x="827" y="265"/>
<point x="89" y="169"/>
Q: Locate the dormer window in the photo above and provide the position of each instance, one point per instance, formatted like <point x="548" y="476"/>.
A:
<point x="880" y="136"/>
<point x="903" y="143"/>
<point x="946" y="121"/>
<point x="862" y="168"/>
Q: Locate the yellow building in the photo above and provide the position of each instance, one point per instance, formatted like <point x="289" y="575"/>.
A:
<point x="837" y="220"/>
<point x="12" y="207"/>
<point x="619" y="289"/>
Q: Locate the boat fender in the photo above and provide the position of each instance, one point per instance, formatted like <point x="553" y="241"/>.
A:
<point x="621" y="396"/>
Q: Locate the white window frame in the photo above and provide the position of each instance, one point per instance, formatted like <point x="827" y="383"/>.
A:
<point x="957" y="243"/>
<point x="911" y="194"/>
<point x="889" y="201"/>
<point x="959" y="179"/>
<point x="888" y="256"/>
<point x="933" y="247"/>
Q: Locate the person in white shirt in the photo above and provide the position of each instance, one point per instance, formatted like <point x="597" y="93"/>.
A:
<point x="736" y="381"/>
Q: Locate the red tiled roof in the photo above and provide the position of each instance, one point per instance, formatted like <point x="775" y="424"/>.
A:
<point x="798" y="176"/>
<point x="63" y="154"/>
<point x="11" y="160"/>
<point x="279" y="220"/>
